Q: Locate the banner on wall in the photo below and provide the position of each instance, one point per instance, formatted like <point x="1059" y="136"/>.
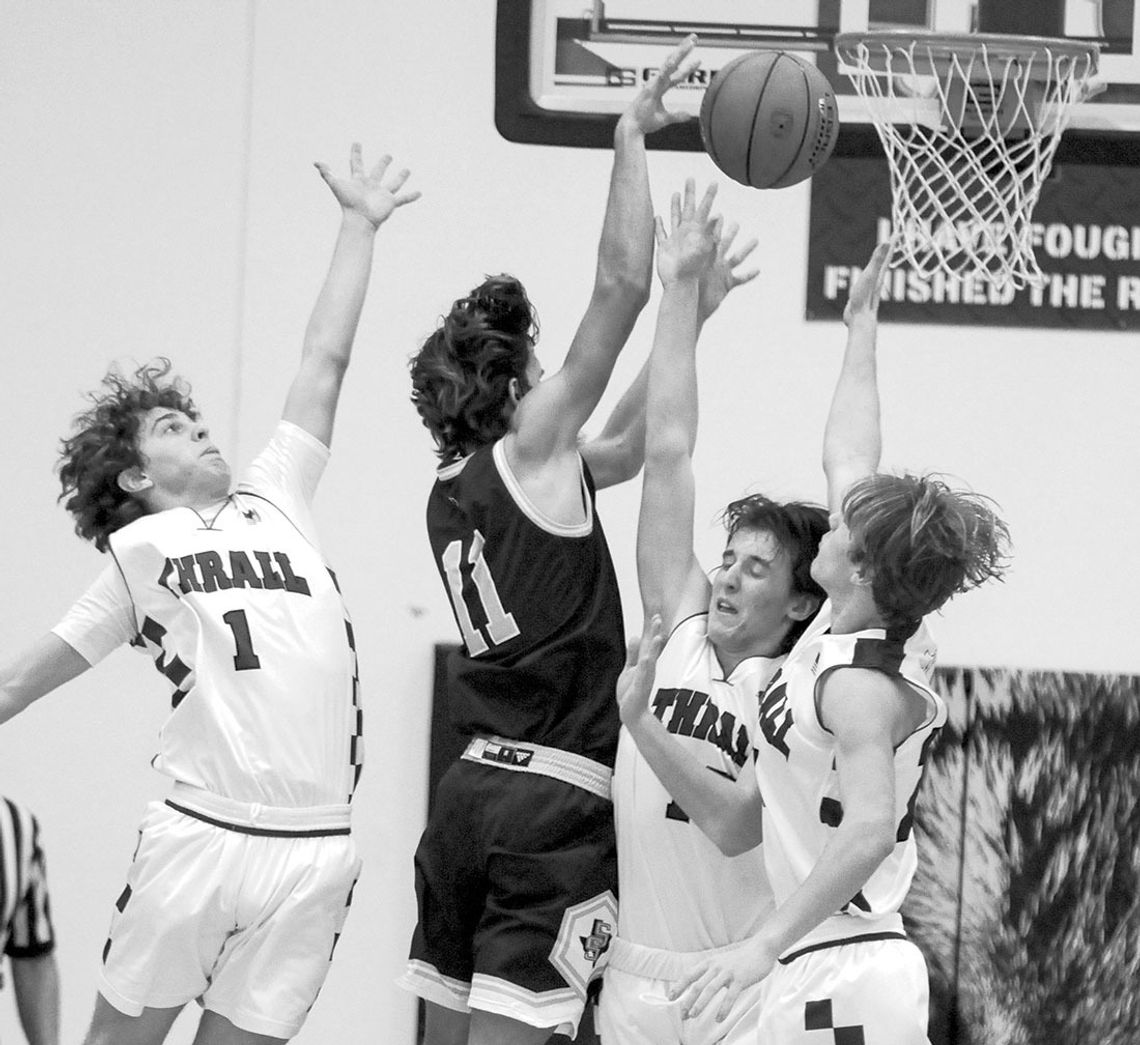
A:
<point x="1026" y="903"/>
<point x="1086" y="235"/>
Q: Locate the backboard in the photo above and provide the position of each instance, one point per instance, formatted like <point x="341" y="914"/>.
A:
<point x="567" y="68"/>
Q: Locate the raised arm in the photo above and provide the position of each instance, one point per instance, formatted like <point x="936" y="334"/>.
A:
<point x="551" y="416"/>
<point x="727" y="811"/>
<point x="367" y="201"/>
<point x="852" y="438"/>
<point x="671" y="580"/>
<point x="618" y="452"/>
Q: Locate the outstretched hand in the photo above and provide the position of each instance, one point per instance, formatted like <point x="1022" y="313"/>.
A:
<point x="647" y="111"/>
<point x="635" y="682"/>
<point x="865" y="292"/>
<point x="690" y="246"/>
<point x="367" y="194"/>
<point x="724" y="976"/>
<point x="722" y="276"/>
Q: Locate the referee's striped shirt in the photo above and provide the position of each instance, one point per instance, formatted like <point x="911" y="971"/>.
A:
<point x="25" y="914"/>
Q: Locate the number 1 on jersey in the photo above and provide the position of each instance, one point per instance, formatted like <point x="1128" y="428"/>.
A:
<point x="244" y="657"/>
<point x="500" y="624"/>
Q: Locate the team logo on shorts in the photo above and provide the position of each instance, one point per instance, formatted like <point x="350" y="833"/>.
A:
<point x="582" y="948"/>
<point x="598" y="942"/>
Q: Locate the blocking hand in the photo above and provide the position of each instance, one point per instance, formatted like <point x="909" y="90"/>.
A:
<point x="367" y="194"/>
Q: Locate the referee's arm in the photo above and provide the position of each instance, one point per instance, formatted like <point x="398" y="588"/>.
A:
<point x="35" y="982"/>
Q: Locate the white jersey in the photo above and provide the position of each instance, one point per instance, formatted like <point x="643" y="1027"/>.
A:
<point x="245" y="621"/>
<point x="795" y="765"/>
<point x="678" y="892"/>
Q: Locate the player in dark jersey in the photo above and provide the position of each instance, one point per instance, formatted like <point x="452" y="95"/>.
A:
<point x="516" y="870"/>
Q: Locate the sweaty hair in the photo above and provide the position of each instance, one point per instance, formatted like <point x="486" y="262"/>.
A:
<point x="104" y="442"/>
<point x="921" y="542"/>
<point x="798" y="528"/>
<point x="461" y="376"/>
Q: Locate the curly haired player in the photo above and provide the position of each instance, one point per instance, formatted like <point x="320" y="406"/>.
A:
<point x="242" y="877"/>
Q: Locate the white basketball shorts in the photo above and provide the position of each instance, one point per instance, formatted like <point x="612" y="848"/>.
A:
<point x="863" y="992"/>
<point x="634" y="1007"/>
<point x="245" y="923"/>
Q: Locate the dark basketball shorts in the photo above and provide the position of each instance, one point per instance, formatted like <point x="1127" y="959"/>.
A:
<point x="515" y="881"/>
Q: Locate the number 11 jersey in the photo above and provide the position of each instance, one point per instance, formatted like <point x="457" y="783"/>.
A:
<point x="538" y="607"/>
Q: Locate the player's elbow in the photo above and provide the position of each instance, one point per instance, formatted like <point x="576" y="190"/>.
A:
<point x="874" y="837"/>
<point x="622" y="285"/>
<point x="736" y="833"/>
<point x="668" y="450"/>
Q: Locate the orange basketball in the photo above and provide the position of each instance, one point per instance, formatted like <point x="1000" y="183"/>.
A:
<point x="769" y="119"/>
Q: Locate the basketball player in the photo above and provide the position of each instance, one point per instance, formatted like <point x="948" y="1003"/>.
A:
<point x="681" y="898"/>
<point x="26" y="934"/>
<point x="515" y="873"/>
<point x="843" y="731"/>
<point x="241" y="879"/>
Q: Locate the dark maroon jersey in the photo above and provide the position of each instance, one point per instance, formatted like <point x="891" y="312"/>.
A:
<point x="537" y="606"/>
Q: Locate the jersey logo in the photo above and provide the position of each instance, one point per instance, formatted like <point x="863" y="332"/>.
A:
<point x="776" y="717"/>
<point x="598" y="942"/>
<point x="581" y="949"/>
<point x="692" y="714"/>
<point x="504" y="754"/>
<point x="208" y="572"/>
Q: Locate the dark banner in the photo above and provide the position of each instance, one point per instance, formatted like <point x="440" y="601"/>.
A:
<point x="1027" y="898"/>
<point x="1086" y="235"/>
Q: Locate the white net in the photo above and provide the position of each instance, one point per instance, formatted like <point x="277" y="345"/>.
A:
<point x="970" y="125"/>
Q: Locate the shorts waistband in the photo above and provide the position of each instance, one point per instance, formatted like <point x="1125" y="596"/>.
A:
<point x="519" y="757"/>
<point x="842" y="929"/>
<point x="655" y="963"/>
<point x="252" y="818"/>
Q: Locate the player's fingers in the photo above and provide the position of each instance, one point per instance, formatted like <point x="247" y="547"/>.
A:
<point x="677" y="56"/>
<point x="732" y="992"/>
<point x="743" y="251"/>
<point x="355" y="160"/>
<point x="681" y="986"/>
<point x="675" y="209"/>
<point x="683" y="72"/>
<point x="652" y="640"/>
<point x="659" y="230"/>
<point x="381" y="167"/>
<point x="707" y="201"/>
<point x="323" y="170"/>
<point x="407" y="197"/>
<point x="398" y="179"/>
<point x="688" y="207"/>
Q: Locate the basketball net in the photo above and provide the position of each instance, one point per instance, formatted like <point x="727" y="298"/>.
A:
<point x="969" y="124"/>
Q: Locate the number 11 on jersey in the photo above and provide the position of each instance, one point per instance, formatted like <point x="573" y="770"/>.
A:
<point x="500" y="625"/>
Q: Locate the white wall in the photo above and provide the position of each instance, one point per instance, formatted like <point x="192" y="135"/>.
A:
<point x="158" y="197"/>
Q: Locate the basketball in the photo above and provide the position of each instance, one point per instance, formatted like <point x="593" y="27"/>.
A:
<point x="769" y="119"/>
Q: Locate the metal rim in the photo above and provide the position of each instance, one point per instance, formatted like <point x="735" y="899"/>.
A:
<point x="946" y="46"/>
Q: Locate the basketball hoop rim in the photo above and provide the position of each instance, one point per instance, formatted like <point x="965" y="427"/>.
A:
<point x="945" y="47"/>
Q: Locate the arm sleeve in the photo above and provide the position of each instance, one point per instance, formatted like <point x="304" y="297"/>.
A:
<point x="102" y="619"/>
<point x="30" y="932"/>
<point x="288" y="471"/>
